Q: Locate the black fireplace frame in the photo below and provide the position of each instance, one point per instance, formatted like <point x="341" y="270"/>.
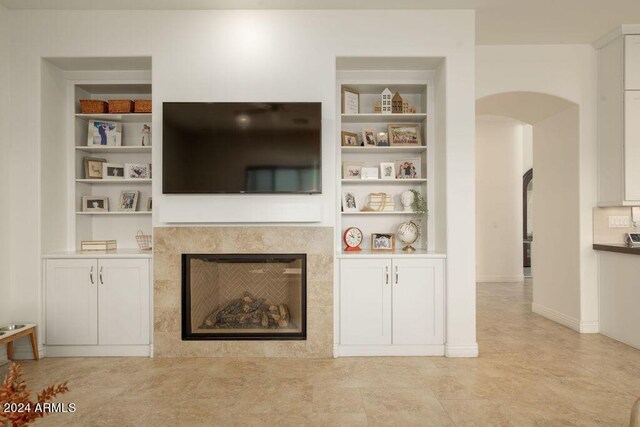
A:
<point x="187" y="335"/>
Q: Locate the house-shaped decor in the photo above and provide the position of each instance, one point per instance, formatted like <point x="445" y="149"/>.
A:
<point x="386" y="101"/>
<point x="405" y="106"/>
<point x="396" y="104"/>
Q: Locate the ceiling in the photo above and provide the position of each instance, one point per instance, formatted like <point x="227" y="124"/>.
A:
<point x="498" y="21"/>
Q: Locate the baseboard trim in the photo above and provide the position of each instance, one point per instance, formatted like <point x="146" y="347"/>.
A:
<point x="26" y="353"/>
<point x="389" y="350"/>
<point x="469" y="350"/>
<point x="586" y="327"/>
<point x="98" y="350"/>
<point x="500" y="279"/>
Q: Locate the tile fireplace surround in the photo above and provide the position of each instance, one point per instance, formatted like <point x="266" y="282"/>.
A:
<point x="171" y="242"/>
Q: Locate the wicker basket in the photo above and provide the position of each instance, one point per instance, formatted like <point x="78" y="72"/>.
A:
<point x="119" y="106"/>
<point x="93" y="106"/>
<point x="142" y="106"/>
<point x="145" y="241"/>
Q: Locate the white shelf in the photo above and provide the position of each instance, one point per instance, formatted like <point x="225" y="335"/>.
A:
<point x="111" y="149"/>
<point x="398" y="253"/>
<point x="384" y="118"/>
<point x="380" y="213"/>
<point x="383" y="150"/>
<point x="114" y="181"/>
<point x="383" y="181"/>
<point x="126" y="118"/>
<point x="115" y="213"/>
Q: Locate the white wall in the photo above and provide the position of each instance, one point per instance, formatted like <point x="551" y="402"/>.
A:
<point x="4" y="166"/>
<point x="569" y="72"/>
<point x="249" y="55"/>
<point x="556" y="266"/>
<point x="527" y="148"/>
<point x="499" y="147"/>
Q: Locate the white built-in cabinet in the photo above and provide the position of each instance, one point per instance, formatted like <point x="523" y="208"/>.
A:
<point x="97" y="306"/>
<point x="619" y="121"/>
<point x="391" y="306"/>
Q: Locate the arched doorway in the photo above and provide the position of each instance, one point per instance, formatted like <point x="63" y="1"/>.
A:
<point x="527" y="223"/>
<point x="555" y="134"/>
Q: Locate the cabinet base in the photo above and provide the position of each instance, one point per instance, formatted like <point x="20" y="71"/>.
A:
<point x="389" y="350"/>
<point x="97" y="350"/>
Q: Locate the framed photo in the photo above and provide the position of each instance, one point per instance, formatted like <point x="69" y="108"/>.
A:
<point x="387" y="170"/>
<point x="350" y="101"/>
<point x="382" y="139"/>
<point x="128" y="201"/>
<point x="93" y="167"/>
<point x="404" y="135"/>
<point x="112" y="171"/>
<point x="383" y="242"/>
<point x="349" y="203"/>
<point x="95" y="204"/>
<point x="368" y="137"/>
<point x="349" y="139"/>
<point x="137" y="170"/>
<point x="369" y="173"/>
<point x="145" y="135"/>
<point x="352" y="170"/>
<point x="149" y="204"/>
<point x="408" y="169"/>
<point x="104" y="133"/>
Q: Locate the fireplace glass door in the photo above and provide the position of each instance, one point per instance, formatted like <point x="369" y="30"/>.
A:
<point x="243" y="297"/>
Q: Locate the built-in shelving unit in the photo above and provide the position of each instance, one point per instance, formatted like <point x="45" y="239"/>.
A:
<point x="370" y="84"/>
<point x="115" y="224"/>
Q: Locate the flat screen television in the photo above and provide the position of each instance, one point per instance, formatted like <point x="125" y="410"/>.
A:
<point x="241" y="147"/>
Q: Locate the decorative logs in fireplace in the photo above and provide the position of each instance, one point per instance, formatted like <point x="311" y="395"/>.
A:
<point x="248" y="312"/>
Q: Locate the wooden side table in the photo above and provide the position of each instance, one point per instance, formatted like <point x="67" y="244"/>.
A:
<point x="10" y="336"/>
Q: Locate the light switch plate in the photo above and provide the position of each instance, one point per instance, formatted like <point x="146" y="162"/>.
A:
<point x="619" y="221"/>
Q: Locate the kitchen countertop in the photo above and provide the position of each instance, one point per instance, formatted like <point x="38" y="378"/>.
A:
<point x="615" y="247"/>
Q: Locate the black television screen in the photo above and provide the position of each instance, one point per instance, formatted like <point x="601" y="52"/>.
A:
<point x="229" y="147"/>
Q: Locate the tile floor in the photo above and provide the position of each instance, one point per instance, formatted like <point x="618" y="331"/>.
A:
<point x="531" y="372"/>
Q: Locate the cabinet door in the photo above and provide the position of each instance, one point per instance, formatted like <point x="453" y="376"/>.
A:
<point x="123" y="296"/>
<point x="71" y="301"/>
<point x="365" y="301"/>
<point x="418" y="301"/>
<point x="632" y="145"/>
<point x="632" y="62"/>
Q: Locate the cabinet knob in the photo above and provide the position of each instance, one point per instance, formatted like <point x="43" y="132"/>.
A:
<point x="396" y="275"/>
<point x="91" y="276"/>
<point x="101" y="281"/>
<point x="387" y="274"/>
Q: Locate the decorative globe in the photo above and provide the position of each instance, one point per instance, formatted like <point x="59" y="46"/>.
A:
<point x="408" y="233"/>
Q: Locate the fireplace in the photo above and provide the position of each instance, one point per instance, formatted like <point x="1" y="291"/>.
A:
<point x="244" y="297"/>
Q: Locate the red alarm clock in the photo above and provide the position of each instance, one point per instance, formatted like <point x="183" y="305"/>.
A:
<point x="353" y="239"/>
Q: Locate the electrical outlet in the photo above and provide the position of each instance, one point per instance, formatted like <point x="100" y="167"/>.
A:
<point x="619" y="222"/>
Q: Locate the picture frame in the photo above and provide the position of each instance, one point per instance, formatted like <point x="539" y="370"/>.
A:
<point x="369" y="173"/>
<point x="382" y="139"/>
<point x="112" y="171"/>
<point x="95" y="204"/>
<point x="128" y="201"/>
<point x="368" y="137"/>
<point x="350" y="101"/>
<point x="408" y="134"/>
<point x="383" y="242"/>
<point x="93" y="167"/>
<point x="149" y="204"/>
<point x="349" y="202"/>
<point x="387" y="170"/>
<point x="137" y="171"/>
<point x="349" y="139"/>
<point x="408" y="168"/>
<point x="103" y="133"/>
<point x="352" y="170"/>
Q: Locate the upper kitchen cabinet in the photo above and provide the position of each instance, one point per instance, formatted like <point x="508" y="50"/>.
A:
<point x="619" y="120"/>
<point x="632" y="62"/>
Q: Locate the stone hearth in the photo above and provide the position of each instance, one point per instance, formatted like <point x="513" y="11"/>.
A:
<point x="171" y="242"/>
